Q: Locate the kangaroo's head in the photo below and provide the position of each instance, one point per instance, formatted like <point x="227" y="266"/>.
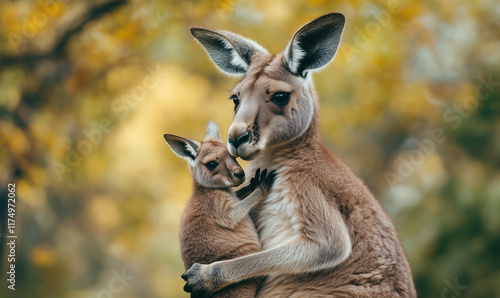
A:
<point x="275" y="101"/>
<point x="209" y="161"/>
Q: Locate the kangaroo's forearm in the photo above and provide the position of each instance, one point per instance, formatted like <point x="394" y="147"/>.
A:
<point x="293" y="258"/>
<point x="244" y="191"/>
<point x="241" y="209"/>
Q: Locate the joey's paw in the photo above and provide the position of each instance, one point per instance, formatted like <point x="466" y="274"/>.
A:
<point x="267" y="181"/>
<point x="199" y="281"/>
<point x="255" y="181"/>
<point x="258" y="177"/>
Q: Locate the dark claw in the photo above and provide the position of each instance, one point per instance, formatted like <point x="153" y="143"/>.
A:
<point x="263" y="175"/>
<point x="255" y="180"/>
<point x="257" y="176"/>
<point x="198" y="295"/>
<point x="271" y="177"/>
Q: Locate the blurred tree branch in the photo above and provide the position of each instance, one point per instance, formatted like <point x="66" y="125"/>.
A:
<point x="21" y="114"/>
<point x="60" y="46"/>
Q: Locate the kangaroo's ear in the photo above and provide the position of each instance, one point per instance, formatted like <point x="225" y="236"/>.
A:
<point x="213" y="131"/>
<point x="230" y="52"/>
<point x="315" y="44"/>
<point x="185" y="148"/>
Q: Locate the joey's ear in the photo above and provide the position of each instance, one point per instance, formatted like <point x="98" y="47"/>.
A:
<point x="230" y="52"/>
<point x="315" y="44"/>
<point x="213" y="131"/>
<point x="185" y="148"/>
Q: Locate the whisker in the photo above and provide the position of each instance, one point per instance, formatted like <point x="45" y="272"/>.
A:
<point x="227" y="89"/>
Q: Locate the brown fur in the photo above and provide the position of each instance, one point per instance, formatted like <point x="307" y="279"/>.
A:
<point x="322" y="232"/>
<point x="204" y="241"/>
<point x="376" y="267"/>
<point x="215" y="224"/>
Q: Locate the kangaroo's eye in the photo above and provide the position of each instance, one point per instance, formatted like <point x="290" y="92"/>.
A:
<point x="212" y="165"/>
<point x="235" y="99"/>
<point x="280" y="98"/>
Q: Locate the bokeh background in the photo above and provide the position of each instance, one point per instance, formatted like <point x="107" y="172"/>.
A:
<point x="88" y="88"/>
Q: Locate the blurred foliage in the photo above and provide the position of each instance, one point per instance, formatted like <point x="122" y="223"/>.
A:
<point x="87" y="89"/>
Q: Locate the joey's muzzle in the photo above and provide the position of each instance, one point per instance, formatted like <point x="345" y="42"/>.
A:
<point x="239" y="174"/>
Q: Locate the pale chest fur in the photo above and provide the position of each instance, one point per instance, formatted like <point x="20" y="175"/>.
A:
<point x="277" y="217"/>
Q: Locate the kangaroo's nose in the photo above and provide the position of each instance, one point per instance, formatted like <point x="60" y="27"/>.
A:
<point x="238" y="173"/>
<point x="241" y="139"/>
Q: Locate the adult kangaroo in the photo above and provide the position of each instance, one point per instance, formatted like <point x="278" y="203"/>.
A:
<point x="322" y="232"/>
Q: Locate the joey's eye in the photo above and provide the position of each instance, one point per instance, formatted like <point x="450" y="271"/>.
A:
<point x="235" y="99"/>
<point x="280" y="98"/>
<point x="211" y="165"/>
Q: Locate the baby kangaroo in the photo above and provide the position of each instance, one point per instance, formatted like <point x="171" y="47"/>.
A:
<point x="215" y="225"/>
